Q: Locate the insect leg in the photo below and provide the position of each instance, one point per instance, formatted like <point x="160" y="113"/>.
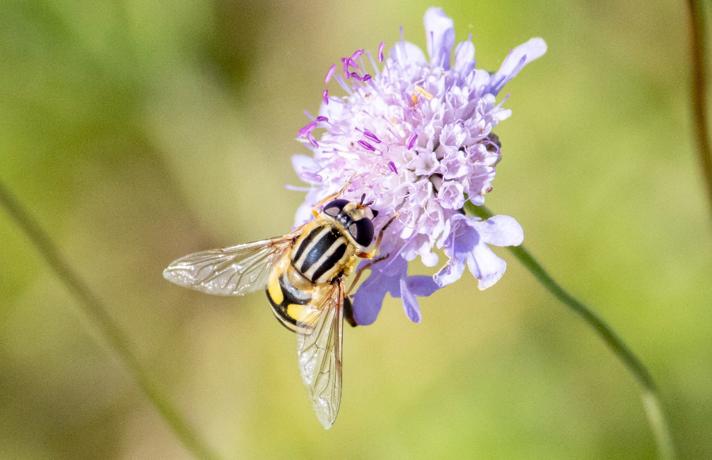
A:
<point x="332" y="196"/>
<point x="357" y="276"/>
<point x="383" y="229"/>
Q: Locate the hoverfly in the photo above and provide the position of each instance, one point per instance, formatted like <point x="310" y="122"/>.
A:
<point x="303" y="275"/>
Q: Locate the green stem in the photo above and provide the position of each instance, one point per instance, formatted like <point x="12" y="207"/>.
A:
<point x="107" y="329"/>
<point x="651" y="400"/>
<point x="699" y="92"/>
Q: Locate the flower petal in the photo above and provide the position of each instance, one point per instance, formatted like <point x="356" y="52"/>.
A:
<point x="406" y="54"/>
<point x="463" y="236"/>
<point x="303" y="214"/>
<point x="410" y="302"/>
<point x="486" y="266"/>
<point x="451" y="272"/>
<point x="304" y="211"/>
<point x="515" y="61"/>
<point x="440" y="33"/>
<point x="500" y="231"/>
<point x="451" y="195"/>
<point x="368" y="300"/>
<point x="465" y="57"/>
<point x="422" y="286"/>
<point x="305" y="167"/>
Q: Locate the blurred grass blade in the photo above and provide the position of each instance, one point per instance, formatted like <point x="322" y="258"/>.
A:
<point x="651" y="400"/>
<point x="107" y="329"/>
<point x="699" y="92"/>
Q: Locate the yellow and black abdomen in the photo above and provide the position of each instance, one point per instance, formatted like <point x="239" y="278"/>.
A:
<point x="290" y="296"/>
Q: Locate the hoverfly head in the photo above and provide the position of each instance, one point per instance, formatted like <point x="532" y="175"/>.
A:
<point x="355" y="217"/>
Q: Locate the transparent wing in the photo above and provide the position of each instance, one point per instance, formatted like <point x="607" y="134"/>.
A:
<point x="319" y="353"/>
<point x="236" y="270"/>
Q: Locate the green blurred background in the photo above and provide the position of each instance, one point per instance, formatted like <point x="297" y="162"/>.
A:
<point x="137" y="131"/>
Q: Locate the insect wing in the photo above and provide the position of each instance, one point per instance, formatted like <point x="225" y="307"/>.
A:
<point x="236" y="270"/>
<point x="319" y="352"/>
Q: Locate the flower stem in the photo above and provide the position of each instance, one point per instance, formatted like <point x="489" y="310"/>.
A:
<point x="105" y="326"/>
<point x="651" y="400"/>
<point x="699" y="91"/>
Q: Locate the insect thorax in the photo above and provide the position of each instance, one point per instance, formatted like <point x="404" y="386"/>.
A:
<point x="318" y="258"/>
<point x="322" y="252"/>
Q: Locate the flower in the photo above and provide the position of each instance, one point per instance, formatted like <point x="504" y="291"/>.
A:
<point x="467" y="243"/>
<point x="393" y="279"/>
<point x="415" y="135"/>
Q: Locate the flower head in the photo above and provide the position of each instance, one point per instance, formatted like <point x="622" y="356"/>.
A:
<point x="415" y="134"/>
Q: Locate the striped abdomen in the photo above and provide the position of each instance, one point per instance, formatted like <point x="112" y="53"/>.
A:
<point x="321" y="253"/>
<point x="290" y="295"/>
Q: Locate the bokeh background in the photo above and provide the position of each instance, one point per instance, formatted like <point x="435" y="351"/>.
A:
<point x="137" y="131"/>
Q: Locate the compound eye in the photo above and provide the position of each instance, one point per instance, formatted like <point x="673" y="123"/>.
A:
<point x="362" y="231"/>
<point x="333" y="208"/>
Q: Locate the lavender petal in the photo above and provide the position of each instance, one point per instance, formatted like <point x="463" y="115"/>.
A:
<point x="500" y="231"/>
<point x="515" y="61"/>
<point x="486" y="266"/>
<point x="368" y="299"/>
<point x="410" y="302"/>
<point x="440" y="34"/>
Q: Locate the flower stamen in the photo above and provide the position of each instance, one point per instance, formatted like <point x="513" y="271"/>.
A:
<point x="371" y="136"/>
<point x="343" y="84"/>
<point x="329" y="74"/>
<point x="411" y="140"/>
<point x="366" y="146"/>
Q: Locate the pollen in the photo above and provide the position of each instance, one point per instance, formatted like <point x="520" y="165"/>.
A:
<point x="422" y="91"/>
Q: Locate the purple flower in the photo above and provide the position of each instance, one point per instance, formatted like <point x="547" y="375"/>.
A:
<point x="392" y="278"/>
<point x="415" y="134"/>
<point x="467" y="244"/>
